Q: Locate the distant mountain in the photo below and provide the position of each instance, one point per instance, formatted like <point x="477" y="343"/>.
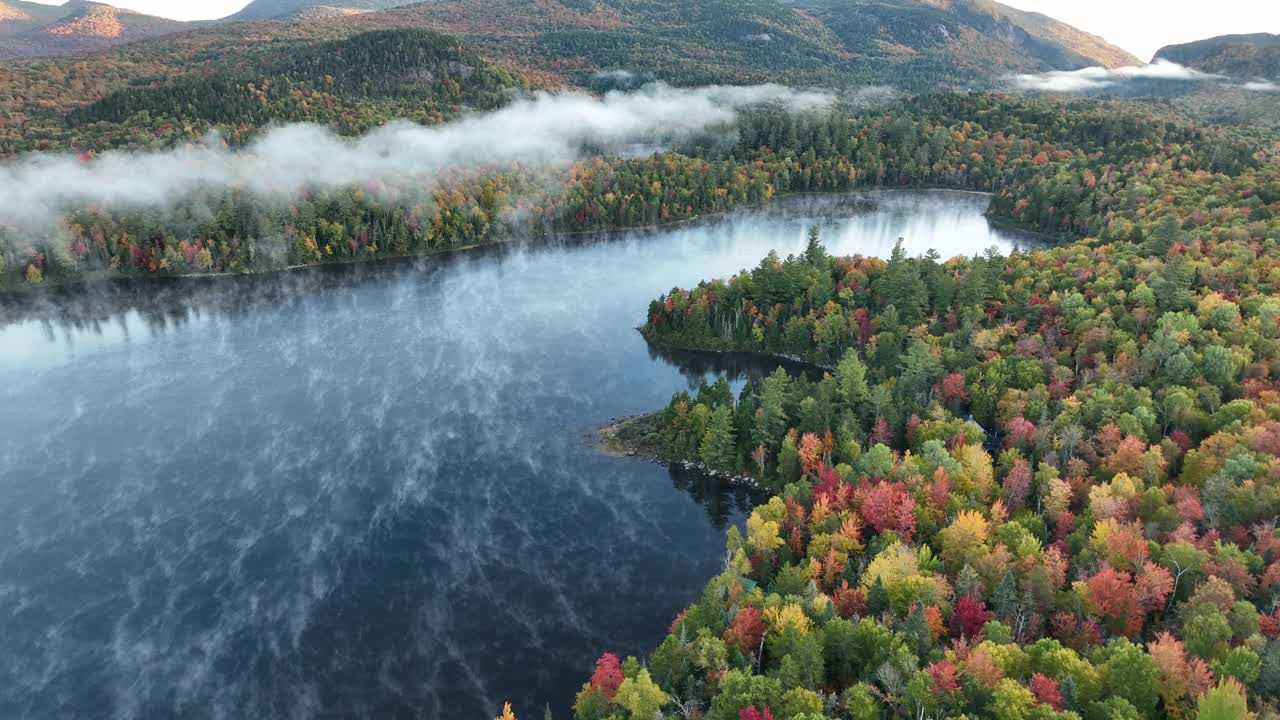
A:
<point x="913" y="44"/>
<point x="1240" y="56"/>
<point x="244" y="75"/>
<point x="17" y="16"/>
<point x="275" y="9"/>
<point x="29" y="29"/>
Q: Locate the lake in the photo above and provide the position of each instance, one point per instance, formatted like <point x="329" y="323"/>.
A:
<point x="370" y="491"/>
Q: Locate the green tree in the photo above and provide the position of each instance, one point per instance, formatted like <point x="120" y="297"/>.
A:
<point x="1131" y="674"/>
<point x="851" y="379"/>
<point x="1226" y="701"/>
<point x="641" y="697"/>
<point x="718" y="445"/>
<point x="814" y="253"/>
<point x="902" y="286"/>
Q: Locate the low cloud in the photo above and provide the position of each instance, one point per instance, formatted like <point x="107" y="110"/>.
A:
<point x="1096" y="78"/>
<point x="37" y="190"/>
<point x="614" y="75"/>
<point x="1261" y="86"/>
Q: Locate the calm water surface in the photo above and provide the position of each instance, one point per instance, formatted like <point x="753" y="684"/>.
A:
<point x="368" y="494"/>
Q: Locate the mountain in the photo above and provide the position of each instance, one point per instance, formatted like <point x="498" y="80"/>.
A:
<point x="273" y="9"/>
<point x="167" y="89"/>
<point x="911" y="44"/>
<point x="407" y="73"/>
<point x="29" y="29"/>
<point x="1241" y="56"/>
<point x="17" y="16"/>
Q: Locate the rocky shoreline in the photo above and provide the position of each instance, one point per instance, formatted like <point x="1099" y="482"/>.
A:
<point x="635" y="436"/>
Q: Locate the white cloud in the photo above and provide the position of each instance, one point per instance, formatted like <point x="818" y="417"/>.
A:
<point x="1093" y="78"/>
<point x="545" y="129"/>
<point x="1261" y="86"/>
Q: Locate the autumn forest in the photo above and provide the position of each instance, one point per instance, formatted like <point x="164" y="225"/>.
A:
<point x="1031" y="485"/>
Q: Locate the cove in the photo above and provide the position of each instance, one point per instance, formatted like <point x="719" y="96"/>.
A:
<point x="367" y="492"/>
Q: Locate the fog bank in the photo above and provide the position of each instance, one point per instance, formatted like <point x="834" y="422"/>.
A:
<point x="36" y="190"/>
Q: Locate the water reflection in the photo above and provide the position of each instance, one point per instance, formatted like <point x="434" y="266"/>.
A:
<point x="736" y="367"/>
<point x="722" y="501"/>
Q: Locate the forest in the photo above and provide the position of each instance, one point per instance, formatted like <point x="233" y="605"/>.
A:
<point x="1041" y="486"/>
<point x="1053" y="166"/>
<point x="1027" y="487"/>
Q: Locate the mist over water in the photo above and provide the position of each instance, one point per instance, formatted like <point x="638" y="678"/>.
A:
<point x="362" y="493"/>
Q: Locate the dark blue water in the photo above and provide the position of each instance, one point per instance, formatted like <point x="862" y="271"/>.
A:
<point x="367" y="493"/>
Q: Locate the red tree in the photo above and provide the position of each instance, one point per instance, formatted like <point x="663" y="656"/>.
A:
<point x="608" y="675"/>
<point x="1046" y="691"/>
<point x="849" y="601"/>
<point x="1111" y="596"/>
<point x="888" y="506"/>
<point x="1017" y="486"/>
<point x="969" y="617"/>
<point x="746" y="630"/>
<point x="1153" y="586"/>
<point x="945" y="677"/>
<point x="880" y="433"/>
<point x="953" y="388"/>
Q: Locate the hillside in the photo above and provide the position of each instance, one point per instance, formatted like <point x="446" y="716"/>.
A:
<point x="272" y="9"/>
<point x="30" y="29"/>
<point x="17" y="16"/>
<point x="1244" y="56"/>
<point x="978" y="35"/>
<point x="915" y="44"/>
<point x="352" y="84"/>
<point x="911" y="45"/>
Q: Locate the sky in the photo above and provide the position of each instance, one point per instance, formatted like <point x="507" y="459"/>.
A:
<point x="1139" y="26"/>
<point x="1144" y="26"/>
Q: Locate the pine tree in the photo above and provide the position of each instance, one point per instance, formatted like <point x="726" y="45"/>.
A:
<point x="877" y="598"/>
<point x="789" y="461"/>
<point x="902" y="285"/>
<point x="1070" y="694"/>
<point x="968" y="583"/>
<point x="916" y="631"/>
<point x="717" y="449"/>
<point x="1004" y="601"/>
<point x="851" y="379"/>
<point x="814" y="253"/>
<point x="1166" y="232"/>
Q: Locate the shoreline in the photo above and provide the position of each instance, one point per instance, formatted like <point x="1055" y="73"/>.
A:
<point x="793" y="362"/>
<point x="22" y="289"/>
<point x="618" y="438"/>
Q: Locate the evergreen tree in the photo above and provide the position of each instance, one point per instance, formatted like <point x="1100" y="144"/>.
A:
<point x="851" y="380"/>
<point x="1166" y="232"/>
<point x="902" y="285"/>
<point x="771" y="422"/>
<point x="877" y="597"/>
<point x="789" y="461"/>
<point x="1070" y="694"/>
<point x="916" y="631"/>
<point x="814" y="253"/>
<point x="717" y="449"/>
<point x="1004" y="601"/>
<point x="968" y="583"/>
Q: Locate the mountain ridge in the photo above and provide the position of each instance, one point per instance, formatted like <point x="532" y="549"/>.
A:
<point x="274" y="9"/>
<point x="29" y="29"/>
<point x="1253" y="55"/>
